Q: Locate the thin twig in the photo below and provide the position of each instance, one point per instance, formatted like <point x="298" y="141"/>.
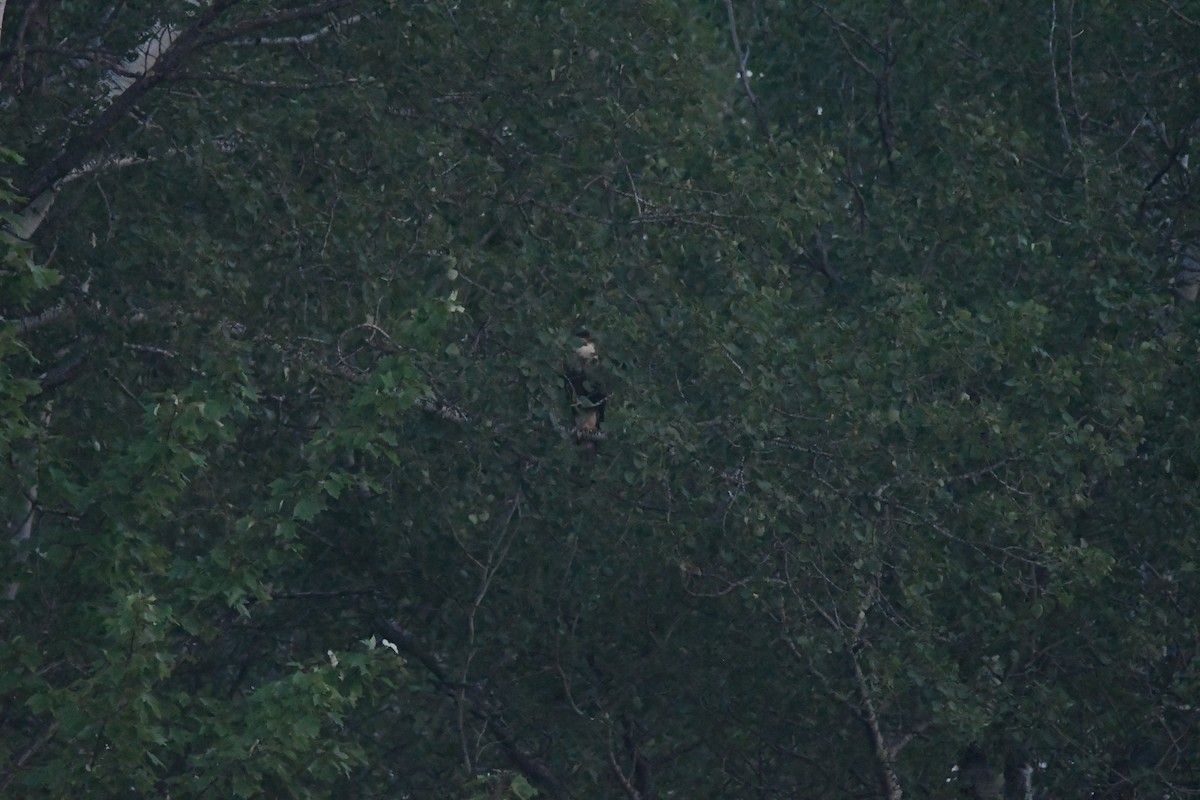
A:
<point x="743" y="56"/>
<point x="1062" y="117"/>
<point x="278" y="86"/>
<point x="838" y="27"/>
<point x="622" y="780"/>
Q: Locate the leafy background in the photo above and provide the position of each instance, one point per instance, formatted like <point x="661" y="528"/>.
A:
<point x="897" y="486"/>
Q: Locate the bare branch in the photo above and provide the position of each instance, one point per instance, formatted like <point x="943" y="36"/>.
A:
<point x="1175" y="12"/>
<point x="495" y="559"/>
<point x="238" y="80"/>
<point x="838" y="27"/>
<point x="529" y="765"/>
<point x="626" y="786"/>
<point x="240" y="29"/>
<point x="22" y="29"/>
<point x="882" y="77"/>
<point x="1062" y="118"/>
<point x="743" y="56"/>
<point x="884" y="758"/>
<point x="297" y="41"/>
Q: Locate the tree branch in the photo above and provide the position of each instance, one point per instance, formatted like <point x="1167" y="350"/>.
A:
<point x="743" y="56"/>
<point x="44" y="317"/>
<point x="174" y="54"/>
<point x="627" y="787"/>
<point x="298" y="41"/>
<point x="885" y="754"/>
<point x="238" y="80"/>
<point x="268" y="20"/>
<point x="19" y="49"/>
<point x="19" y="762"/>
<point x="529" y="765"/>
<point x="884" y="758"/>
<point x="882" y="77"/>
<point x="1062" y="118"/>
<point x="3" y="6"/>
<point x="76" y="151"/>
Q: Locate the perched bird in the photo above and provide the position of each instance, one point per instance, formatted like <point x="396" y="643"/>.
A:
<point x="585" y="392"/>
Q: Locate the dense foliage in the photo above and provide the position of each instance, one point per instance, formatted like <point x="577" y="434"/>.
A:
<point x="893" y="306"/>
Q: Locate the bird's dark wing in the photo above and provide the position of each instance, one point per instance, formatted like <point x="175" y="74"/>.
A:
<point x="574" y="379"/>
<point x="585" y="392"/>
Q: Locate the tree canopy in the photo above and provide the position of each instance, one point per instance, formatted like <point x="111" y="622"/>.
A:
<point x="893" y="309"/>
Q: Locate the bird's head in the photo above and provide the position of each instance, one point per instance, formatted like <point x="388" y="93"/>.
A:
<point x="586" y="349"/>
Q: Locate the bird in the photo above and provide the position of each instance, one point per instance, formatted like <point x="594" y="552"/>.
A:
<point x="585" y="392"/>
